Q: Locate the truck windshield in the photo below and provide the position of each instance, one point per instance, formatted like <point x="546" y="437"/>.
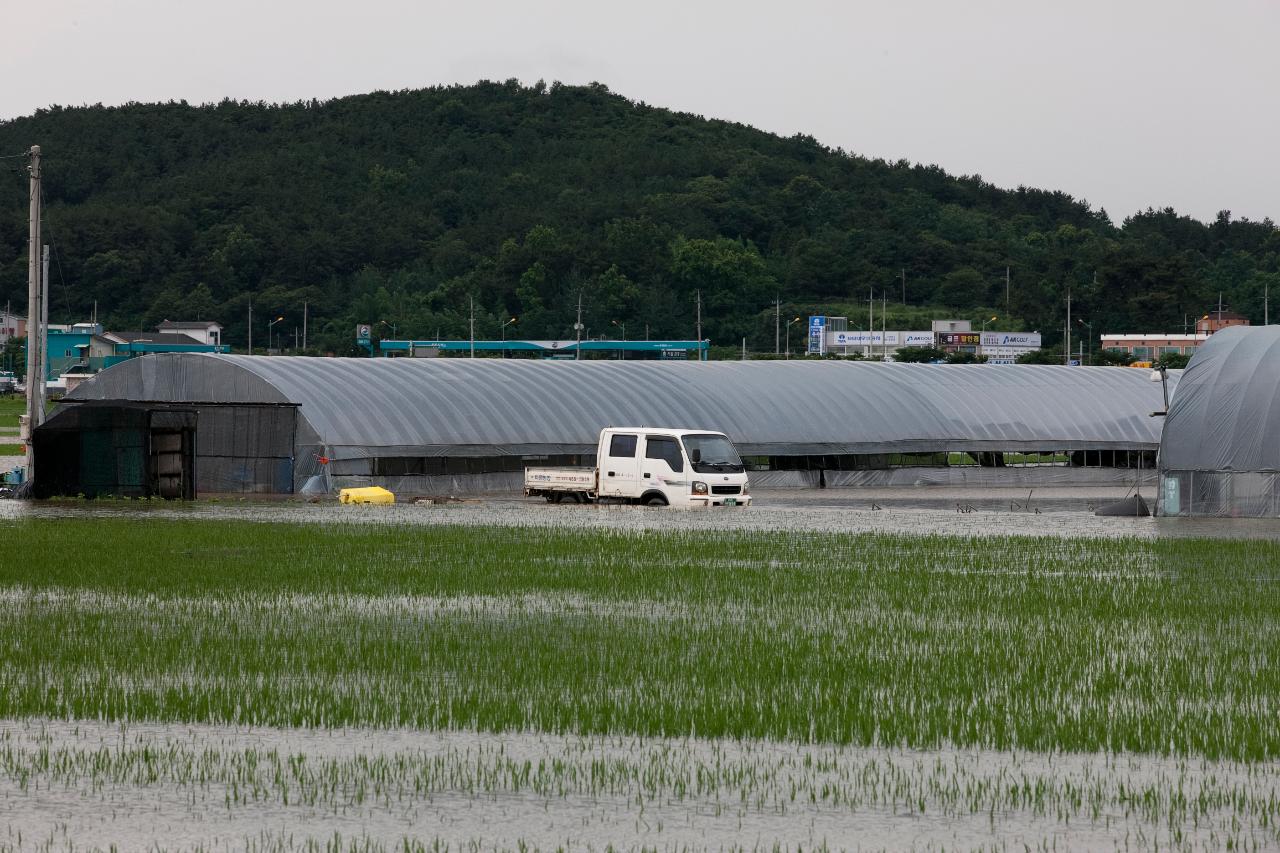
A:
<point x="711" y="453"/>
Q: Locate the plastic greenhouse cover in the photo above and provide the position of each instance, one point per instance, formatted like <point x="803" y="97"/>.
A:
<point x="1226" y="415"/>
<point x="484" y="407"/>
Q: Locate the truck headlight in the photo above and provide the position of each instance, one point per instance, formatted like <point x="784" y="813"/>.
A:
<point x="699" y="487"/>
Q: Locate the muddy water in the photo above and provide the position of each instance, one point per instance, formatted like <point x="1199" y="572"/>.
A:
<point x="91" y="784"/>
<point x="1060" y="512"/>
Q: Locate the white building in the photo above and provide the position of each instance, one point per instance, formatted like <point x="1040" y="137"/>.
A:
<point x="203" y="332"/>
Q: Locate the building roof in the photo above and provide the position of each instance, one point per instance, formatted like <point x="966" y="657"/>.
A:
<point x="165" y="338"/>
<point x="1159" y="336"/>
<point x="357" y="407"/>
<point x="1226" y="415"/>
<point x="194" y="324"/>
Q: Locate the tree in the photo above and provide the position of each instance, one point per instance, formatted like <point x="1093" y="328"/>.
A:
<point x="1040" y="356"/>
<point x="1172" y="361"/>
<point x="919" y="355"/>
<point x="966" y="358"/>
<point x="1116" y="357"/>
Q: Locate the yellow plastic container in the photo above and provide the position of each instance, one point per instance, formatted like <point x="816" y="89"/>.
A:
<point x="366" y="495"/>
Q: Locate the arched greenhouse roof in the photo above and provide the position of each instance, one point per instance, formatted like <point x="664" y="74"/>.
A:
<point x="486" y="407"/>
<point x="1226" y="416"/>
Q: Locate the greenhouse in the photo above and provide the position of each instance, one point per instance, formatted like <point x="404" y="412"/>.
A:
<point x="455" y="426"/>
<point x="1219" y="455"/>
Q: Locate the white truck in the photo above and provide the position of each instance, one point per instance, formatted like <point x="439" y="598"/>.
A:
<point x="652" y="466"/>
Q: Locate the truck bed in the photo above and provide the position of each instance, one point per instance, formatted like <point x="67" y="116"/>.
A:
<point x="560" y="479"/>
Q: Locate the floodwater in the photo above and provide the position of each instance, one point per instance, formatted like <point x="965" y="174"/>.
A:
<point x="1058" y="512"/>
<point x="177" y="786"/>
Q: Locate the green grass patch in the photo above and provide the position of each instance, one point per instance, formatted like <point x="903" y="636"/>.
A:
<point x="1079" y="645"/>
<point x="10" y="408"/>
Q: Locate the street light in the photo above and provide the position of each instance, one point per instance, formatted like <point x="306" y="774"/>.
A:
<point x="624" y="327"/>
<point x="790" y="323"/>
<point x="270" y="326"/>
<point x="392" y="325"/>
<point x="504" y="335"/>
<point x="1088" y="326"/>
<point x="981" y="346"/>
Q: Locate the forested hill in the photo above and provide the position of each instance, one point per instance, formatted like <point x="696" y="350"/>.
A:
<point x="398" y="207"/>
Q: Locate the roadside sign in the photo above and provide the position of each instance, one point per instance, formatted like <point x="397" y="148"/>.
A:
<point x="817" y="335"/>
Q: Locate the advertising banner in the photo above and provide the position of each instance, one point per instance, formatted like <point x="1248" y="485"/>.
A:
<point x="1030" y="340"/>
<point x="1007" y="352"/>
<point x="876" y="339"/>
<point x="951" y="339"/>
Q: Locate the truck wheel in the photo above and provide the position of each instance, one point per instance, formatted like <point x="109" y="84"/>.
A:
<point x="572" y="498"/>
<point x="655" y="500"/>
<point x="551" y="497"/>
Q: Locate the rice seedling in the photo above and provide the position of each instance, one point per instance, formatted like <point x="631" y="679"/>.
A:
<point x="470" y="790"/>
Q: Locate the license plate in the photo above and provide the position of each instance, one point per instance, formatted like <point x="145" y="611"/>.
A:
<point x="730" y="501"/>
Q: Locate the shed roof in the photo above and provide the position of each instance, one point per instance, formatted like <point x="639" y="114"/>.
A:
<point x="373" y="406"/>
<point x="1227" y="413"/>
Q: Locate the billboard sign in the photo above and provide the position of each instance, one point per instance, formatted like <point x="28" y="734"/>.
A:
<point x="817" y="335"/>
<point x="1029" y="340"/>
<point x="953" y="339"/>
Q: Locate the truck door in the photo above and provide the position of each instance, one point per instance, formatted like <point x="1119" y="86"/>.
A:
<point x="663" y="464"/>
<point x="620" y="466"/>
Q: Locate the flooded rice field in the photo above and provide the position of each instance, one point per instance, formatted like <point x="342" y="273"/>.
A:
<point x="829" y="670"/>
<point x="88" y="785"/>
<point x="1057" y="512"/>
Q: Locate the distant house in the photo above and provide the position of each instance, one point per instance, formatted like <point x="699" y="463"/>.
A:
<point x="11" y="326"/>
<point x="203" y="332"/>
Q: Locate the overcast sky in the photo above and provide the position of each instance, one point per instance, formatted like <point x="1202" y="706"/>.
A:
<point x="1124" y="103"/>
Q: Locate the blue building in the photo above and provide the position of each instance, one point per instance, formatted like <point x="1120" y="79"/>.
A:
<point x="89" y="349"/>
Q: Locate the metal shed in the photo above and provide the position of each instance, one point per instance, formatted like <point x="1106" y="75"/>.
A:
<point x="1220" y="451"/>
<point x="382" y="420"/>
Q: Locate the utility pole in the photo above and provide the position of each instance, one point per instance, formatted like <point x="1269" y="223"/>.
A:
<point x="904" y="285"/>
<point x="473" y="327"/>
<point x="42" y="352"/>
<point x="250" y="325"/>
<point x="701" y="351"/>
<point x="1219" y="310"/>
<point x="304" y="324"/>
<point x="777" y="325"/>
<point x="1266" y="304"/>
<point x="1066" y="350"/>
<point x="871" y="321"/>
<point x="884" y="345"/>
<point x="577" y="328"/>
<point x="1006" y="291"/>
<point x="35" y="335"/>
